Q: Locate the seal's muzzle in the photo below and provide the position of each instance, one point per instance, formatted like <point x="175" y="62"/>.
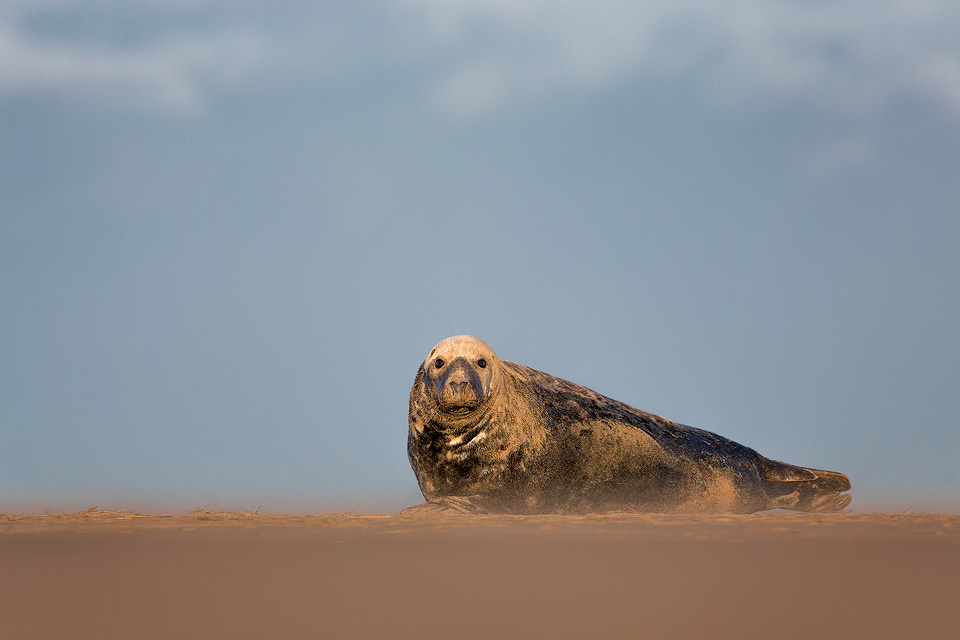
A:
<point x="459" y="387"/>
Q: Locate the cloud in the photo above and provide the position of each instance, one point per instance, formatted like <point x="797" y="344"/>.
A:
<point x="852" y="58"/>
<point x="171" y="72"/>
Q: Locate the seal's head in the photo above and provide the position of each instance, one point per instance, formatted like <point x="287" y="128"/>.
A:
<point x="461" y="373"/>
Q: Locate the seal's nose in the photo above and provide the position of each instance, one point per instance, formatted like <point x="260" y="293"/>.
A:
<point x="457" y="375"/>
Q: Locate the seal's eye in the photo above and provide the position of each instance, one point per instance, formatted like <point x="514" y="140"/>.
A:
<point x="438" y="363"/>
<point x="481" y="363"/>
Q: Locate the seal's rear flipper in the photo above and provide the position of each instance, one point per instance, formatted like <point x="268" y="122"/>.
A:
<point x="824" y="502"/>
<point x="801" y="489"/>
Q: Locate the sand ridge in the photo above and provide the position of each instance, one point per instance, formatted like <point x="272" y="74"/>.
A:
<point x="779" y="526"/>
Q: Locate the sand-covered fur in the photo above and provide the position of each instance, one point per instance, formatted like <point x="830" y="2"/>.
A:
<point x="492" y="436"/>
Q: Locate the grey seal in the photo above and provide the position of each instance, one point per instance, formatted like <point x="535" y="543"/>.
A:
<point x="491" y="436"/>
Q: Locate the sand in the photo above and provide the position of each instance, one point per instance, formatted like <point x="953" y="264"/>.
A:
<point x="241" y="575"/>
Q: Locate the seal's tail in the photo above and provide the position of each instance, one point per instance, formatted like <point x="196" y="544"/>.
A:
<point x="801" y="489"/>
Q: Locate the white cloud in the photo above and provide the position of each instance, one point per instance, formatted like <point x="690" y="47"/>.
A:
<point x="852" y="58"/>
<point x="849" y="56"/>
<point x="170" y="73"/>
<point x="516" y="50"/>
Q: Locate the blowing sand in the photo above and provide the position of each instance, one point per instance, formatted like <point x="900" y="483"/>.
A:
<point x="241" y="575"/>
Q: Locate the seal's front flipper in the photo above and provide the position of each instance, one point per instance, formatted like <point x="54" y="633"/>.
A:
<point x="446" y="506"/>
<point x="801" y="489"/>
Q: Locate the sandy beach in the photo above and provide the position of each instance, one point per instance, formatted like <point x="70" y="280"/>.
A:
<point x="100" y="574"/>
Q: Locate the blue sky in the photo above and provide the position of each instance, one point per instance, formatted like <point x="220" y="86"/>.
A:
<point x="231" y="231"/>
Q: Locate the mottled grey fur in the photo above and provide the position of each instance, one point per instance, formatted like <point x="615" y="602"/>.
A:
<point x="491" y="436"/>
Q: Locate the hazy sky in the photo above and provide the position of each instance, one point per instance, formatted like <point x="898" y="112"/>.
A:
<point x="231" y="231"/>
